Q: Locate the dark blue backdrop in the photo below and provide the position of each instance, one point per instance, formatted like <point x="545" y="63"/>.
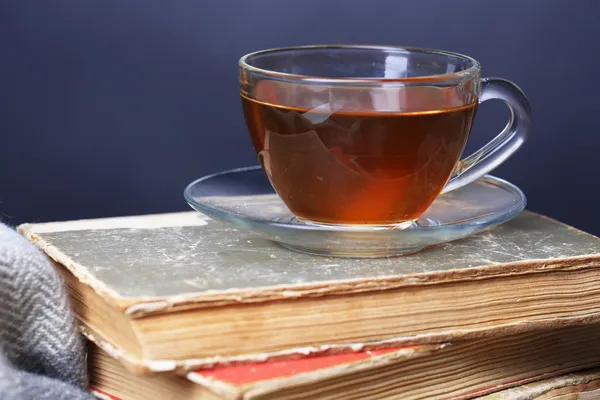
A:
<point x="112" y="107"/>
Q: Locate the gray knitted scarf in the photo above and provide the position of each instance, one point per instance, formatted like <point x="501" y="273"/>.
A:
<point x="41" y="355"/>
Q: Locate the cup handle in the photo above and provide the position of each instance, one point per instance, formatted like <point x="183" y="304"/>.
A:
<point x="502" y="146"/>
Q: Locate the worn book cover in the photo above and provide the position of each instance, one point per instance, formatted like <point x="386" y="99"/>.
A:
<point x="182" y="291"/>
<point x="582" y="385"/>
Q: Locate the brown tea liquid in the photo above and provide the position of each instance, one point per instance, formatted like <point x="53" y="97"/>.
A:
<point x="357" y="167"/>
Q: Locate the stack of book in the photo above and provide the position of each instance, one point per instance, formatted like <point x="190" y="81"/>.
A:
<point x="179" y="306"/>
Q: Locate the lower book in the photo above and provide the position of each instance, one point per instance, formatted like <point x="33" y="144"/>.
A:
<point x="458" y="370"/>
<point x="582" y="385"/>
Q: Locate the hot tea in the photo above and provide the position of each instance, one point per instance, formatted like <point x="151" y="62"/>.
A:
<point x="369" y="136"/>
<point x="359" y="166"/>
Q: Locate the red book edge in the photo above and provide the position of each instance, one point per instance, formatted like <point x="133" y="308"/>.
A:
<point x="238" y="375"/>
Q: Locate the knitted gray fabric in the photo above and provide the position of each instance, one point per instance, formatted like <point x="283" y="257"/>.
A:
<point x="41" y="355"/>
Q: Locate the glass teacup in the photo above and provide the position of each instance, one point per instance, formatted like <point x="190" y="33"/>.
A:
<point x="371" y="135"/>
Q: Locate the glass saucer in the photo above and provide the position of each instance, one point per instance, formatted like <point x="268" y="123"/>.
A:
<point x="245" y="198"/>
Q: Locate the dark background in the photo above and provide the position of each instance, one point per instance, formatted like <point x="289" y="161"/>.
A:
<point x="111" y="107"/>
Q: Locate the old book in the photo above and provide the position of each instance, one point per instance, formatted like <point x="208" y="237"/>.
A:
<point x="184" y="291"/>
<point x="459" y="370"/>
<point x="582" y="385"/>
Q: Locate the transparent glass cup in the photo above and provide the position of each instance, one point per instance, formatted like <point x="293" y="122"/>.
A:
<point x="369" y="136"/>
